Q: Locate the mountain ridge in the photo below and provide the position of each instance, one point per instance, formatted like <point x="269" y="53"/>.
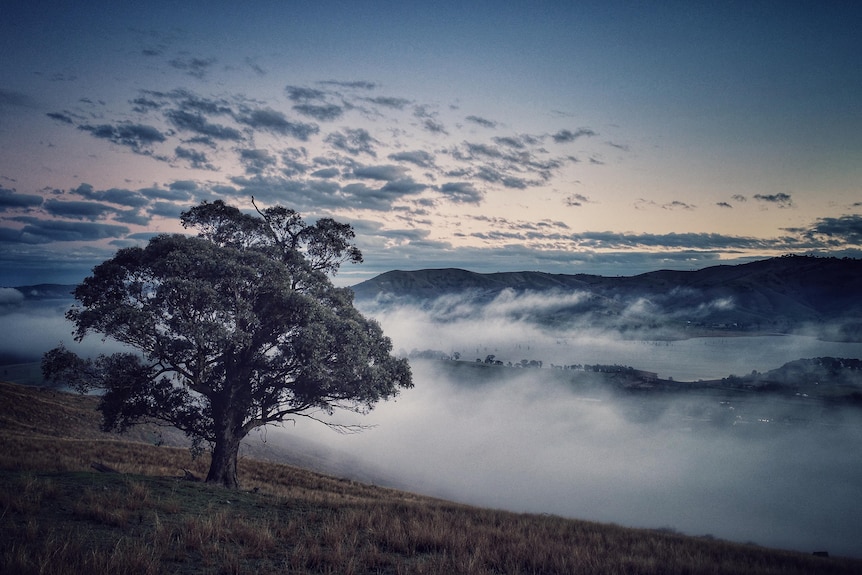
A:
<point x="780" y="295"/>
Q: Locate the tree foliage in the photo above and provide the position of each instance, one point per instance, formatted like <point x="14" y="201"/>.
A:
<point x="237" y="328"/>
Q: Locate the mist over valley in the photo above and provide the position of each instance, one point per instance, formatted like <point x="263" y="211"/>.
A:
<point x="598" y="398"/>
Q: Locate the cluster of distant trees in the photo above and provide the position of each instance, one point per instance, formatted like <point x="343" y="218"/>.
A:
<point x="491" y="359"/>
<point x="524" y="363"/>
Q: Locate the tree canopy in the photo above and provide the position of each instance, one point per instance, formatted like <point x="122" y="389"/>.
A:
<point x="235" y="329"/>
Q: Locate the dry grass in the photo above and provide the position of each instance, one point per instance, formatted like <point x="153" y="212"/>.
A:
<point x="59" y="516"/>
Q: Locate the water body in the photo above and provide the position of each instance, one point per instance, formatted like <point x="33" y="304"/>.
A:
<point x="691" y="359"/>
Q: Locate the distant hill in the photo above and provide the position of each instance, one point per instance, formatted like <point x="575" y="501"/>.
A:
<point x="777" y="295"/>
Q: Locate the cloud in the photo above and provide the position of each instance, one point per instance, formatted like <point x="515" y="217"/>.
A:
<point x="483" y="150"/>
<point x="196" y="159"/>
<point x="846" y="229"/>
<point x="256" y="161"/>
<point x="577" y="200"/>
<point x="509" y="142"/>
<point x="323" y="113"/>
<point x="565" y="136"/>
<point x="723" y="205"/>
<point x="138" y="137"/>
<point x="389" y="102"/>
<point x="276" y="122"/>
<point x="484" y="122"/>
<point x="678" y="205"/>
<point x="135" y="217"/>
<point x="781" y="200"/>
<point x="462" y="192"/>
<point x="353" y="141"/>
<point x="196" y="67"/>
<point x="356" y="85"/>
<point x="65" y="118"/>
<point x="10" y="199"/>
<point x="38" y="231"/>
<point x="114" y="195"/>
<point x="293" y="161"/>
<point x="420" y="158"/>
<point x="739" y="198"/>
<point x="197" y="123"/>
<point x="326" y="173"/>
<point x="362" y="196"/>
<point x="386" y="173"/>
<point x="302" y="94"/>
<point x="254" y="66"/>
<point x="78" y="210"/>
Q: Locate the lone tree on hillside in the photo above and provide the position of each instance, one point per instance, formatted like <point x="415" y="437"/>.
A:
<point x="237" y="328"/>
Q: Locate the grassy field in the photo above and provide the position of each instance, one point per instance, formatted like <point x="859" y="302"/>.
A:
<point x="59" y="515"/>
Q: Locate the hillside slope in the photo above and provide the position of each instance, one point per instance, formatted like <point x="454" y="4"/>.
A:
<point x="58" y="516"/>
<point x="24" y="410"/>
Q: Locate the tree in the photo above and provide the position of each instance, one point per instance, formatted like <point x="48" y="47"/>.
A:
<point x="235" y="329"/>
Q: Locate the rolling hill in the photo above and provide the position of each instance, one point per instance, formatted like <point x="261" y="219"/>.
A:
<point x="778" y="295"/>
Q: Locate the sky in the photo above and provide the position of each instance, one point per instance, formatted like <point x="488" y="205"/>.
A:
<point x="604" y="137"/>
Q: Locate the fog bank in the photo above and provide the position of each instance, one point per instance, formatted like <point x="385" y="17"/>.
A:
<point x="451" y="325"/>
<point x="531" y="445"/>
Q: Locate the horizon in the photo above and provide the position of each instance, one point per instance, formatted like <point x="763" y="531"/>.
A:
<point x="732" y="263"/>
<point x="595" y="138"/>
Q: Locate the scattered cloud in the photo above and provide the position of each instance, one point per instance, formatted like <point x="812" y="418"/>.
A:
<point x="257" y="161"/>
<point x="138" y="137"/>
<point x="431" y="156"/>
<point x="420" y="158"/>
<point x="40" y="231"/>
<point x="577" y="200"/>
<point x="356" y="85"/>
<point x="387" y="173"/>
<point x="254" y="67"/>
<point x="303" y="94"/>
<point x="780" y="200"/>
<point x="276" y="122"/>
<point x="353" y="141"/>
<point x="462" y="192"/>
<point x="843" y="230"/>
<point x="65" y="118"/>
<point x="196" y="159"/>
<point x="322" y="113"/>
<point x="484" y="122"/>
<point x="12" y="200"/>
<point x="565" y="136"/>
<point x="389" y="102"/>
<point x="78" y="209"/>
<point x="192" y="122"/>
<point x="433" y="126"/>
<point x="119" y="196"/>
<point x="196" y="67"/>
<point x="678" y="205"/>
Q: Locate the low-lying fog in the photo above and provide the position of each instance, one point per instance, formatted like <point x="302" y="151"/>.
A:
<point x="531" y="443"/>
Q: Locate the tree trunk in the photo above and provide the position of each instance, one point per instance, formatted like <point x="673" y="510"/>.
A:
<point x="225" y="454"/>
<point x="223" y="465"/>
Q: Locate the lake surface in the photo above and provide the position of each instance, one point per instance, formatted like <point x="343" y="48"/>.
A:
<point x="698" y="358"/>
